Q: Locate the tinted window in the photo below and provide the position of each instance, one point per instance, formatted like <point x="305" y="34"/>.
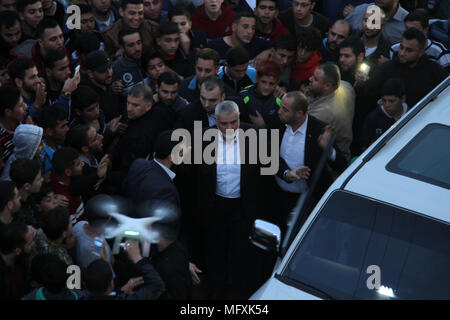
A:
<point x="426" y="157"/>
<point x="352" y="233"/>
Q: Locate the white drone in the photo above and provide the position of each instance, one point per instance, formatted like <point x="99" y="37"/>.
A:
<point x="134" y="228"/>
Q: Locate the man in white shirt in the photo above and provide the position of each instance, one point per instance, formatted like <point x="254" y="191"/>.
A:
<point x="231" y="197"/>
<point x="303" y="139"/>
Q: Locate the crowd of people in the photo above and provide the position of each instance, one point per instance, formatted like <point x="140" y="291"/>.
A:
<point x="88" y="114"/>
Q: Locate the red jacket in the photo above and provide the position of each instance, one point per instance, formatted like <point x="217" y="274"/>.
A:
<point x="213" y="29"/>
<point x="278" y="30"/>
<point x="304" y="71"/>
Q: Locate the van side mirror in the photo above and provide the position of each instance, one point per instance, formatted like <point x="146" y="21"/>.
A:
<point x="266" y="236"/>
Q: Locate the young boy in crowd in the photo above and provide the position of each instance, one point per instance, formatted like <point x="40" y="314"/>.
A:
<point x="46" y="200"/>
<point x="259" y="98"/>
<point x="153" y="66"/>
<point x="391" y="107"/>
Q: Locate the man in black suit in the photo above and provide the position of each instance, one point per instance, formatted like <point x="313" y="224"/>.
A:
<point x="230" y="197"/>
<point x="145" y="122"/>
<point x="211" y="93"/>
<point x="150" y="181"/>
<point x="303" y="139"/>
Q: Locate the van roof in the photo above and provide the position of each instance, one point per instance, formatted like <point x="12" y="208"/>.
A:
<point x="374" y="180"/>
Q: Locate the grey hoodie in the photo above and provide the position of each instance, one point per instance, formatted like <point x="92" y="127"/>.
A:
<point x="27" y="138"/>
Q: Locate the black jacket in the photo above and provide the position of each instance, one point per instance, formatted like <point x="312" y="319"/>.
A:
<point x="111" y="103"/>
<point x="147" y="181"/>
<point x="313" y="153"/>
<point x="266" y="106"/>
<point x="151" y="289"/>
<point x="172" y="264"/>
<point x="6" y="282"/>
<point x="419" y="81"/>
<point x="377" y="123"/>
<point x="251" y="185"/>
<point x="198" y="40"/>
<point x="321" y="23"/>
<point x="236" y="86"/>
<point x="84" y="185"/>
<point x="382" y="50"/>
<point x="138" y="141"/>
<point x="192" y="112"/>
<point x="182" y="63"/>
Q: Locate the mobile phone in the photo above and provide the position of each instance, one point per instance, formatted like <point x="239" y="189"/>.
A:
<point x="364" y="68"/>
<point x="98" y="244"/>
<point x="122" y="245"/>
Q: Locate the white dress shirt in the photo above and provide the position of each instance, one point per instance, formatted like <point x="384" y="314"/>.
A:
<point x="292" y="150"/>
<point x="228" y="168"/>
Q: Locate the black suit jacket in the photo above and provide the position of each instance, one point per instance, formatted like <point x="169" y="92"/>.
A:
<point x="147" y="181"/>
<point x="172" y="264"/>
<point x="251" y="185"/>
<point x="139" y="138"/>
<point x="192" y="112"/>
<point x="313" y="153"/>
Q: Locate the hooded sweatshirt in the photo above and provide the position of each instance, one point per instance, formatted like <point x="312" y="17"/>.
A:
<point x="213" y="29"/>
<point x="26" y="140"/>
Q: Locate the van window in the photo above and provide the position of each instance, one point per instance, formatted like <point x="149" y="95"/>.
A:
<point x="426" y="157"/>
<point x="351" y="233"/>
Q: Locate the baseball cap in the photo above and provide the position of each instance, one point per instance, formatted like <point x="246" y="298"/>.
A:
<point x="98" y="61"/>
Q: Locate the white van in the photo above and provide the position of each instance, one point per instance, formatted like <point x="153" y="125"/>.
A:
<point x="381" y="231"/>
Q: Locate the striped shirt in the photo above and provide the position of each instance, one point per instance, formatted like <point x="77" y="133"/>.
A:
<point x="6" y="143"/>
<point x="435" y="50"/>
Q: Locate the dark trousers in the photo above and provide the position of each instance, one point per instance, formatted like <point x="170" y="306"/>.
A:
<point x="230" y="263"/>
<point x="283" y="203"/>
